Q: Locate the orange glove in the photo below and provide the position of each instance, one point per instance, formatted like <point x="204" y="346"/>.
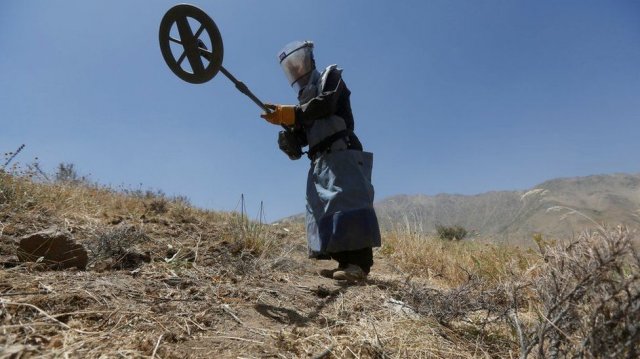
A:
<point x="280" y="114"/>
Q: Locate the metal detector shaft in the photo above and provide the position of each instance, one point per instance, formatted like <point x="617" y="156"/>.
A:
<point x="244" y="89"/>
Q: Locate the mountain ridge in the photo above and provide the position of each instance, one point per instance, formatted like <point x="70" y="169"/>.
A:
<point x="558" y="207"/>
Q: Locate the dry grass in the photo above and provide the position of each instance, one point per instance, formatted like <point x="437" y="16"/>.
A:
<point x="566" y="299"/>
<point x="219" y="285"/>
<point x="451" y="263"/>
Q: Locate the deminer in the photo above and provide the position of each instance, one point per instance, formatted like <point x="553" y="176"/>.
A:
<point x="341" y="223"/>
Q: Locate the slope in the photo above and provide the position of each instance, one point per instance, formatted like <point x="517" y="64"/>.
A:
<point x="167" y="280"/>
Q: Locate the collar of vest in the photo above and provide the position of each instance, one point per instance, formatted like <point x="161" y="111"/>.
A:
<point x="324" y="76"/>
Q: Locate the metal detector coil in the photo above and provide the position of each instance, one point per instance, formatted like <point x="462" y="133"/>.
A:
<point x="204" y="63"/>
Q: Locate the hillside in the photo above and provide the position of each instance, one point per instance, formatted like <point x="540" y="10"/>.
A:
<point x="515" y="216"/>
<point x="166" y="280"/>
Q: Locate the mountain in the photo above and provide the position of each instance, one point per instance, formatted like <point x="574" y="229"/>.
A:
<point x="558" y="208"/>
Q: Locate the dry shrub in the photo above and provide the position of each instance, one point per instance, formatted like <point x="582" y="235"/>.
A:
<point x="588" y="299"/>
<point x="119" y="245"/>
<point x="67" y="173"/>
<point x="458" y="303"/>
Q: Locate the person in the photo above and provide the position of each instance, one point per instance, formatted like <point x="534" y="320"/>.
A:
<point x="341" y="222"/>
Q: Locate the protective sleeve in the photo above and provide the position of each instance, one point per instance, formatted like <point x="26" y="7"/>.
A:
<point x="324" y="104"/>
<point x="301" y="135"/>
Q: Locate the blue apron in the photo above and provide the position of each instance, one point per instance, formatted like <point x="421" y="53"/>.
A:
<point x="340" y="215"/>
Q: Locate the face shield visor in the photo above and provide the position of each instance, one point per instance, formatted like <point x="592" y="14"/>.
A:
<point x="297" y="63"/>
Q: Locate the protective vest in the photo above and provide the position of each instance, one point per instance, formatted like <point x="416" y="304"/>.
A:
<point x="322" y="129"/>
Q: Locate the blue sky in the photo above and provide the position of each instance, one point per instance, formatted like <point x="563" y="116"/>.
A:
<point x="451" y="96"/>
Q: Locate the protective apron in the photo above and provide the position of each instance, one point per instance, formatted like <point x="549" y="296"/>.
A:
<point x="339" y="207"/>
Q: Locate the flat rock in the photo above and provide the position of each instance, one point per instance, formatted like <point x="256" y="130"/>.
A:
<point x="56" y="248"/>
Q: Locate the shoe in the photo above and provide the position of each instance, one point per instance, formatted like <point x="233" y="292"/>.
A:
<point x="328" y="273"/>
<point x="352" y="273"/>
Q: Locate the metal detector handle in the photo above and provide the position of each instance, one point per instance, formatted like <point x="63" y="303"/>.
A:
<point x="239" y="84"/>
<point x="244" y="89"/>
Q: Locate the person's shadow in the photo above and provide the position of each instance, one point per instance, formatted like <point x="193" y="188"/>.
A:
<point x="290" y="316"/>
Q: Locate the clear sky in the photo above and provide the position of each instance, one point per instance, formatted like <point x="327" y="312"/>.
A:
<point x="451" y="96"/>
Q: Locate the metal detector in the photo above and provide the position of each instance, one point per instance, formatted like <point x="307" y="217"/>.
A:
<point x="203" y="63"/>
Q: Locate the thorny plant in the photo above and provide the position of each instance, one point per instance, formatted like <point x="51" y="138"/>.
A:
<point x="588" y="295"/>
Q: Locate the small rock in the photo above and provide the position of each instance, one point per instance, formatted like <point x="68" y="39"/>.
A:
<point x="56" y="248"/>
<point x="401" y="308"/>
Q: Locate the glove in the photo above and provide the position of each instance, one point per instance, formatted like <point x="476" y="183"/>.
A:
<point x="290" y="144"/>
<point x="281" y="114"/>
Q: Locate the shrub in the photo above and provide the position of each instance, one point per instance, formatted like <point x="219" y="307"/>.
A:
<point x="119" y="245"/>
<point x="67" y="173"/>
<point x="452" y="233"/>
<point x="588" y="299"/>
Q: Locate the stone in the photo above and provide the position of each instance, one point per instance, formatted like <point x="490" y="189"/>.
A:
<point x="57" y="249"/>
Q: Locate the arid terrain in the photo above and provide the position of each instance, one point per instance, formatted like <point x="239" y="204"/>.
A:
<point x="514" y="216"/>
<point x="166" y="280"/>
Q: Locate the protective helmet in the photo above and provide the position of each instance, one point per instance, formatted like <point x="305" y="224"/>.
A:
<point x="297" y="62"/>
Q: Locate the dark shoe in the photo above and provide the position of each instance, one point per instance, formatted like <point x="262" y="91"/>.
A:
<point x="352" y="273"/>
<point x="328" y="273"/>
